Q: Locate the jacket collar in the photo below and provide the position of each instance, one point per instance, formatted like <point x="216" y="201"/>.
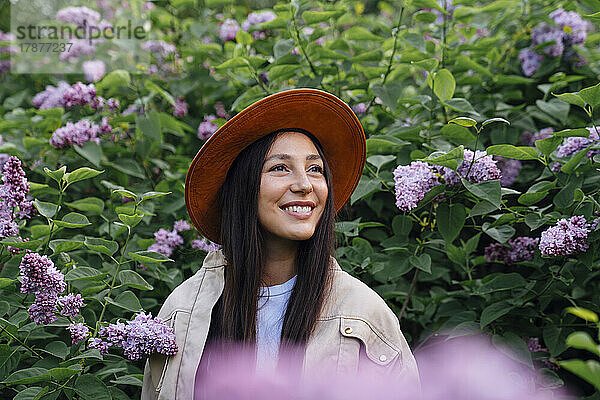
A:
<point x="215" y="258"/>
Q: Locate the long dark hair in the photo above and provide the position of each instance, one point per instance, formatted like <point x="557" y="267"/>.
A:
<point x="234" y="316"/>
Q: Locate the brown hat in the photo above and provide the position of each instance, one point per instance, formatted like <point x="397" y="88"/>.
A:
<point x="324" y="115"/>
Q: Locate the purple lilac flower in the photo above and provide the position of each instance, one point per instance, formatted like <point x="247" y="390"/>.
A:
<point x="15" y="186"/>
<point x="160" y="48"/>
<point x="70" y="304"/>
<point x="80" y="16"/>
<point x="520" y="249"/>
<point x="228" y="30"/>
<point x="94" y="70"/>
<point x="75" y="133"/>
<point x="15" y="250"/>
<point x="509" y="168"/>
<point x="141" y="336"/>
<point x="112" y="104"/>
<point x="412" y="183"/>
<point x="207" y="128"/>
<point x="484" y="169"/>
<point x="545" y="33"/>
<point x="97" y="103"/>
<point x="43" y="309"/>
<point x="148" y="5"/>
<point x="258" y="18"/>
<point x="105" y="127"/>
<point x="79" y="94"/>
<point x="99" y="344"/>
<point x="360" y="108"/>
<point x="565" y="238"/>
<point x="78" y="332"/>
<point x="530" y="61"/>
<point x="572" y="24"/>
<point x="166" y="241"/>
<point x="204" y="244"/>
<point x="533" y="344"/>
<point x="133" y="108"/>
<point x="572" y="145"/>
<point x="51" y="97"/>
<point x="528" y="138"/>
<point x="220" y="109"/>
<point x="180" y="108"/>
<point x="181" y="225"/>
<point x="78" y="48"/>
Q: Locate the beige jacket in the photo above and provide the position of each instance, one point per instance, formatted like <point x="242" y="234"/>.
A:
<point x="356" y="330"/>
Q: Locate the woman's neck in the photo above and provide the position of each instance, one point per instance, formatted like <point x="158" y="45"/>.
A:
<point x="280" y="257"/>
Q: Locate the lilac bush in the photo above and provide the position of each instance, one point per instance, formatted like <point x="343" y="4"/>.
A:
<point x="484" y="168"/>
<point x="412" y="183"/>
<point x="565" y="238"/>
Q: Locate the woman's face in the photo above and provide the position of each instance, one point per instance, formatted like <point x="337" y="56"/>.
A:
<point x="292" y="172"/>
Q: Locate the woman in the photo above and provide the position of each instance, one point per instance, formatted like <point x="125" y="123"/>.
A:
<point x="267" y="186"/>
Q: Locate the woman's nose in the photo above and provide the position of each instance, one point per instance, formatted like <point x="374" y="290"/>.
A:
<point x="302" y="183"/>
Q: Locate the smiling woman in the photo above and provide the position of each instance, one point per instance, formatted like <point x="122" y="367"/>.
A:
<point x="291" y="160"/>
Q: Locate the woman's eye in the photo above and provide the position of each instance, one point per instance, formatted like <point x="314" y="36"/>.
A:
<point x="318" y="168"/>
<point x="277" y="166"/>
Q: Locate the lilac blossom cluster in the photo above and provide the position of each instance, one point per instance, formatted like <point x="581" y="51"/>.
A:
<point x="14" y="193"/>
<point x="566" y="237"/>
<point x="509" y="168"/>
<point x="204" y="244"/>
<point x="412" y="182"/>
<point x="220" y="110"/>
<point x="93" y="70"/>
<point x="15" y="250"/>
<point x="39" y="276"/>
<point x="360" y="108"/>
<point x="88" y="20"/>
<point x="161" y="50"/>
<point x="143" y="335"/>
<point x="78" y="332"/>
<point x="572" y="145"/>
<point x="180" y="108"/>
<point x="309" y="31"/>
<point x="207" y="127"/>
<point x="520" y="249"/>
<point x="78" y="94"/>
<point x="79" y="133"/>
<point x="5" y="63"/>
<point x="70" y="304"/>
<point x="569" y="29"/>
<point x="484" y="168"/>
<point x="166" y="241"/>
<point x="529" y="138"/>
<point x="228" y="30"/>
<point x="255" y="18"/>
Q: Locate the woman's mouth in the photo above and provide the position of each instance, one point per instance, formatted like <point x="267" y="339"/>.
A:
<point x="298" y="212"/>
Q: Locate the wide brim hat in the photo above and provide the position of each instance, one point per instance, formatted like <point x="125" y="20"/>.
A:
<point x="324" y="115"/>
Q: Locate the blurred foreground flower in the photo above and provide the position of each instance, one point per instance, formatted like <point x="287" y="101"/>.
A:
<point x="458" y="369"/>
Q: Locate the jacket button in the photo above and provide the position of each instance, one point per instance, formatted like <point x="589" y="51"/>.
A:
<point x="348" y="330"/>
<point x="382" y="358"/>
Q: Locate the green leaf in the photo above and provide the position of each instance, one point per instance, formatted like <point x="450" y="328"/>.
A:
<point x="85" y="273"/>
<point x="570" y="165"/>
<point x="491" y="120"/>
<point x="65" y="245"/>
<point x="571" y="98"/>
<point x="380" y="160"/>
<point x="554" y="108"/>
<point x="514" y="347"/>
<point x="14" y="242"/>
<point x="126" y="193"/>
<point x="429" y="64"/>
<point x="128" y="380"/>
<point x="58" y="349"/>
<point x="73" y="220"/>
<point x="235" y="62"/>
<point x="62" y="374"/>
<point x="92" y="205"/>
<point x="127" y="300"/>
<point x="91" y="151"/>
<point x="134" y="280"/>
<point x="422" y="262"/>
<point x="365" y="187"/>
<point x="499" y="233"/>
<point x="482" y="208"/>
<point x="591" y="95"/>
<point x="243" y="37"/>
<point x="577" y="132"/>
<point x="493" y="312"/>
<point x="360" y="33"/>
<point x="46" y="209"/>
<point x="282" y="47"/>
<point x="148" y="257"/>
<point x="149" y="126"/>
<point x="56" y="175"/>
<point x="428" y="4"/>
<point x="457" y="133"/>
<point x="461" y="105"/>
<point x="129" y="167"/>
<point x="583" y="313"/>
<point x="113" y="80"/>
<point x="582" y="340"/>
<point x="89" y="387"/>
<point x="102" y="246"/>
<point x="81" y="174"/>
<point x="131" y="220"/>
<point x="529" y="199"/>
<point x="444" y="84"/>
<point x="488" y="190"/>
<point x="152" y="195"/>
<point x="314" y="17"/>
<point x="32" y="393"/>
<point x="548" y="145"/>
<point x="448" y="159"/>
<point x="450" y="220"/>
<point x="165" y="95"/>
<point x="463" y="121"/>
<point x="27" y="376"/>
<point x="515" y="152"/>
<point x="587" y="370"/>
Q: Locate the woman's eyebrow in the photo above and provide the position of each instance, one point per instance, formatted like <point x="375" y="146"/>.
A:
<point x="286" y="156"/>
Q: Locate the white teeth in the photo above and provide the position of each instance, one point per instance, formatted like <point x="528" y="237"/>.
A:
<point x="298" y="209"/>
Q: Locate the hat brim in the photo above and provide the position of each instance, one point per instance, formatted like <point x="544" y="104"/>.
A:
<point x="324" y="115"/>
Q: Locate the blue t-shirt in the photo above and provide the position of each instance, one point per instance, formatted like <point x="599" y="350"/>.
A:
<point x="272" y="305"/>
